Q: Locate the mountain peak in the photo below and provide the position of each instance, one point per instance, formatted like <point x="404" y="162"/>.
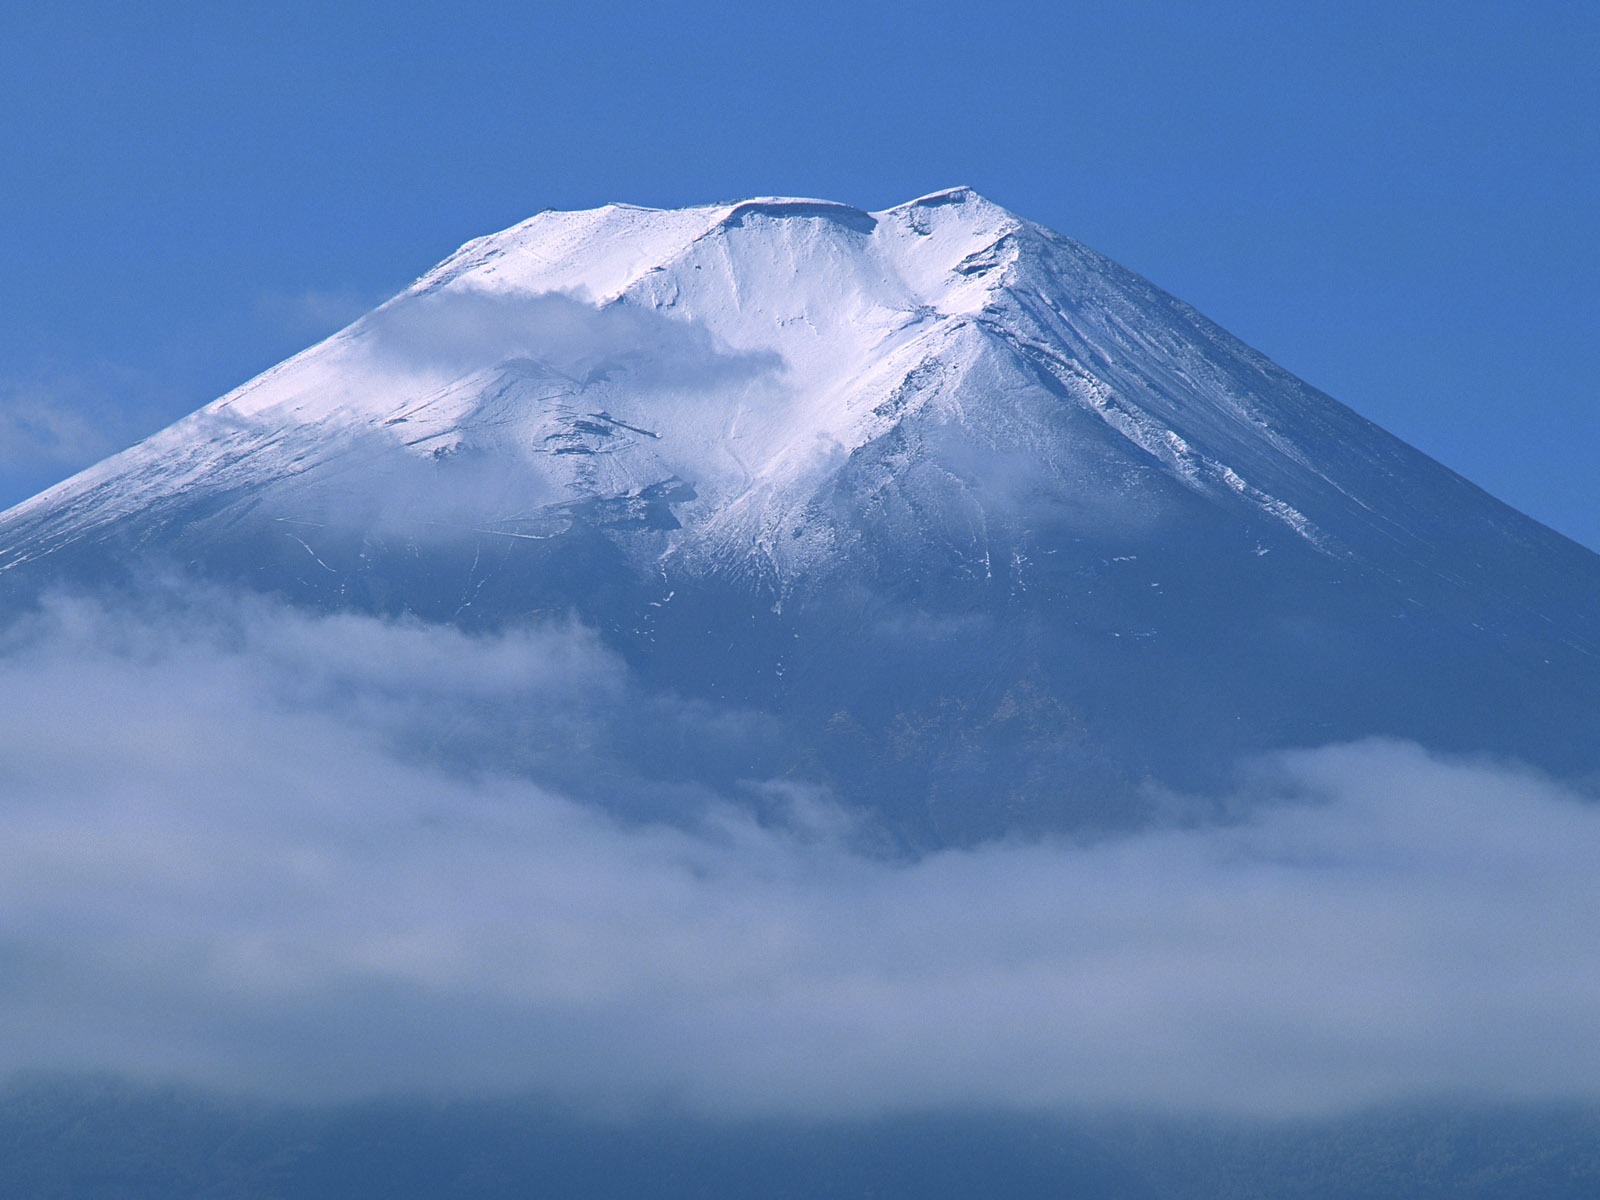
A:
<point x="723" y="432"/>
<point x="953" y="197"/>
<point x="823" y="328"/>
<point x="960" y="194"/>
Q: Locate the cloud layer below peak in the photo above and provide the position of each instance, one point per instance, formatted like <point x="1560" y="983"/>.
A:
<point x="256" y="850"/>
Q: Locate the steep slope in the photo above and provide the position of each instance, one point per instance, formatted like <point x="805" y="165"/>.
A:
<point x="986" y="529"/>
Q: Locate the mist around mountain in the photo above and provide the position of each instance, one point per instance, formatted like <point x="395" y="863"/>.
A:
<point x="876" y="689"/>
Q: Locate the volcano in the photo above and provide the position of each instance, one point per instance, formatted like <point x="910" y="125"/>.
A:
<point x="969" y="525"/>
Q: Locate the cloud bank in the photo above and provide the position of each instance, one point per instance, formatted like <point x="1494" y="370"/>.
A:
<point x="237" y="854"/>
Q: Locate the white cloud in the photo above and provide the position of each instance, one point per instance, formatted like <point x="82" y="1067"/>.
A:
<point x="48" y="425"/>
<point x="231" y="856"/>
<point x="57" y="420"/>
<point x="315" y="312"/>
<point x="469" y="329"/>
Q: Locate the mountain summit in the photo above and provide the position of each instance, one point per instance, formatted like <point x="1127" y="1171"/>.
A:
<point x="965" y="522"/>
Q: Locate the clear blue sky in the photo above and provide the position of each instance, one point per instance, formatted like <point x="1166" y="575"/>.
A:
<point x="1397" y="202"/>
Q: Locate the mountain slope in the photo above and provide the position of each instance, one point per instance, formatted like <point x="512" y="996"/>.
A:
<point x="986" y="530"/>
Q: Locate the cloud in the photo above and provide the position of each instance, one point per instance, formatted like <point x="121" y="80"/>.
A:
<point x="57" y="421"/>
<point x="315" y="312"/>
<point x="243" y="849"/>
<point x="36" y="434"/>
<point x="468" y="329"/>
<point x="508" y="414"/>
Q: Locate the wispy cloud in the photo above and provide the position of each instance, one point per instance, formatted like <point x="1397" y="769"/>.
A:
<point x="235" y="855"/>
<point x="469" y="329"/>
<point x="315" y="312"/>
<point x="55" y="422"/>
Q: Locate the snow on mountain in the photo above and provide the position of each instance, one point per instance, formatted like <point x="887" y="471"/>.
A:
<point x="832" y="324"/>
<point x="935" y="487"/>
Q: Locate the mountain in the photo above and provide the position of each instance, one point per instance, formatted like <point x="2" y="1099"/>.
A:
<point x="975" y="527"/>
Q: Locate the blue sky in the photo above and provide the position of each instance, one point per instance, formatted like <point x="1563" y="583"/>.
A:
<point x="1395" y="202"/>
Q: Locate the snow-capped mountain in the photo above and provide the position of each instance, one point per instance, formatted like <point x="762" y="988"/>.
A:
<point x="980" y="528"/>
